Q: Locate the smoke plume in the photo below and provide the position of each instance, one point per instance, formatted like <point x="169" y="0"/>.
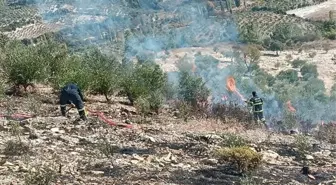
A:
<point x="144" y="27"/>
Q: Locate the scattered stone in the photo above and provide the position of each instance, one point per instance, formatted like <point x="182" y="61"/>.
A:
<point x="309" y="157"/>
<point x="100" y="173"/>
<point x="137" y="157"/>
<point x="209" y="161"/>
<point x="322" y="154"/>
<point x="149" y="138"/>
<point x="57" y="131"/>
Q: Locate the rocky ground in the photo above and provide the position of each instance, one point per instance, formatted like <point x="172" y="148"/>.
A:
<point x="158" y="150"/>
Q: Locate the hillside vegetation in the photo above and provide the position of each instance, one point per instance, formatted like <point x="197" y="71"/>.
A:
<point x="184" y="125"/>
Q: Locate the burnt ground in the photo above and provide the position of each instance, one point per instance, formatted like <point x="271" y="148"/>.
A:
<point x="158" y="150"/>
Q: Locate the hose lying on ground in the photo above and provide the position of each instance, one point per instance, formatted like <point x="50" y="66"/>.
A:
<point x="21" y="117"/>
<point x="103" y="118"/>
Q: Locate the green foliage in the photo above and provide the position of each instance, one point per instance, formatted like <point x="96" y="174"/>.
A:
<point x="249" y="33"/>
<point x="106" y="148"/>
<point x="24" y="65"/>
<point x="328" y="29"/>
<point x="104" y="72"/>
<point x="252" y="52"/>
<point x="289" y="75"/>
<point x="262" y="78"/>
<point x="302" y="144"/>
<point x="308" y="71"/>
<point x="192" y="89"/>
<point x="74" y="72"/>
<point x="243" y="158"/>
<point x="145" y="80"/>
<point x="298" y="63"/>
<point x="285" y="5"/>
<point x="232" y="140"/>
<point x="40" y="176"/>
<point x="274" y="45"/>
<point x="284" y="33"/>
<point x="289" y="121"/>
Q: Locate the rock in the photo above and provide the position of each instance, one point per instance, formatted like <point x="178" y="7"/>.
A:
<point x="309" y="157"/>
<point x="57" y="130"/>
<point x="209" y="161"/>
<point x="134" y="161"/>
<point x="100" y="173"/>
<point x="267" y="154"/>
<point x="322" y="154"/>
<point x="137" y="157"/>
<point x="213" y="137"/>
<point x="271" y="157"/>
<point x="8" y="164"/>
<point x="149" y="138"/>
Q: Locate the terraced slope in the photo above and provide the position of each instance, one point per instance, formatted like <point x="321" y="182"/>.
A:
<point x="285" y="5"/>
<point x="12" y="17"/>
<point x="267" y="21"/>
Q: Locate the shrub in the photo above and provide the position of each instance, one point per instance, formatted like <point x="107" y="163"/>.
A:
<point x="327" y="132"/>
<point x="284" y="32"/>
<point x="40" y="176"/>
<point x="309" y="70"/>
<point x="232" y="140"/>
<point x="75" y="72"/>
<point x="302" y="144"/>
<point x="145" y="80"/>
<point x="206" y="62"/>
<point x="192" y="89"/>
<point x="289" y="75"/>
<point x="185" y="64"/>
<point x="262" y="78"/>
<point x="273" y="45"/>
<point x="249" y="33"/>
<point x="298" y="63"/>
<point x="104" y="72"/>
<point x="16" y="148"/>
<point x="243" y="158"/>
<point x="228" y="112"/>
<point x="253" y="53"/>
<point x="23" y="66"/>
<point x="106" y="148"/>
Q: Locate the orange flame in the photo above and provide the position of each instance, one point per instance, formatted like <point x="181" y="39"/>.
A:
<point x="231" y="86"/>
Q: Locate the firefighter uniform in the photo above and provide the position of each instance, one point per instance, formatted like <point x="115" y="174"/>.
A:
<point x="256" y="103"/>
<point x="71" y="94"/>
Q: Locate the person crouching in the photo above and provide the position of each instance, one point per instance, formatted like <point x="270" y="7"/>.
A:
<point x="71" y="94"/>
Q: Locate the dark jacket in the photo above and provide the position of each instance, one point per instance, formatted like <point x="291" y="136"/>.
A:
<point x="73" y="88"/>
<point x="257" y="104"/>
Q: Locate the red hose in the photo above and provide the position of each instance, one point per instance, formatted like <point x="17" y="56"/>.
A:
<point x="95" y="113"/>
<point x="17" y="116"/>
<point x="110" y="122"/>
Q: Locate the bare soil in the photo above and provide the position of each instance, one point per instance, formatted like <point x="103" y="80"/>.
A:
<point x="165" y="150"/>
<point x="316" y="12"/>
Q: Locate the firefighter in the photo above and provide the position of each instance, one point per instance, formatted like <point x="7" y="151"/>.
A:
<point x="256" y="103"/>
<point x="71" y="94"/>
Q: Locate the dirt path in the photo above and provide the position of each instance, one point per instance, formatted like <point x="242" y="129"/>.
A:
<point x="316" y="12"/>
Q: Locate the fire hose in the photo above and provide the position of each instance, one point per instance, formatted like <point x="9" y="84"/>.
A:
<point x="100" y="115"/>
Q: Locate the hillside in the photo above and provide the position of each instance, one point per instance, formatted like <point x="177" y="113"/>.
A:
<point x="171" y="77"/>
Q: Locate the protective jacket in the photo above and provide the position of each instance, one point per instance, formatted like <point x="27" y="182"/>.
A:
<point x="71" y="93"/>
<point x="257" y="104"/>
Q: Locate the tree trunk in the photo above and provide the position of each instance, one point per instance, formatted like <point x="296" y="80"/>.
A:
<point x="107" y="98"/>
